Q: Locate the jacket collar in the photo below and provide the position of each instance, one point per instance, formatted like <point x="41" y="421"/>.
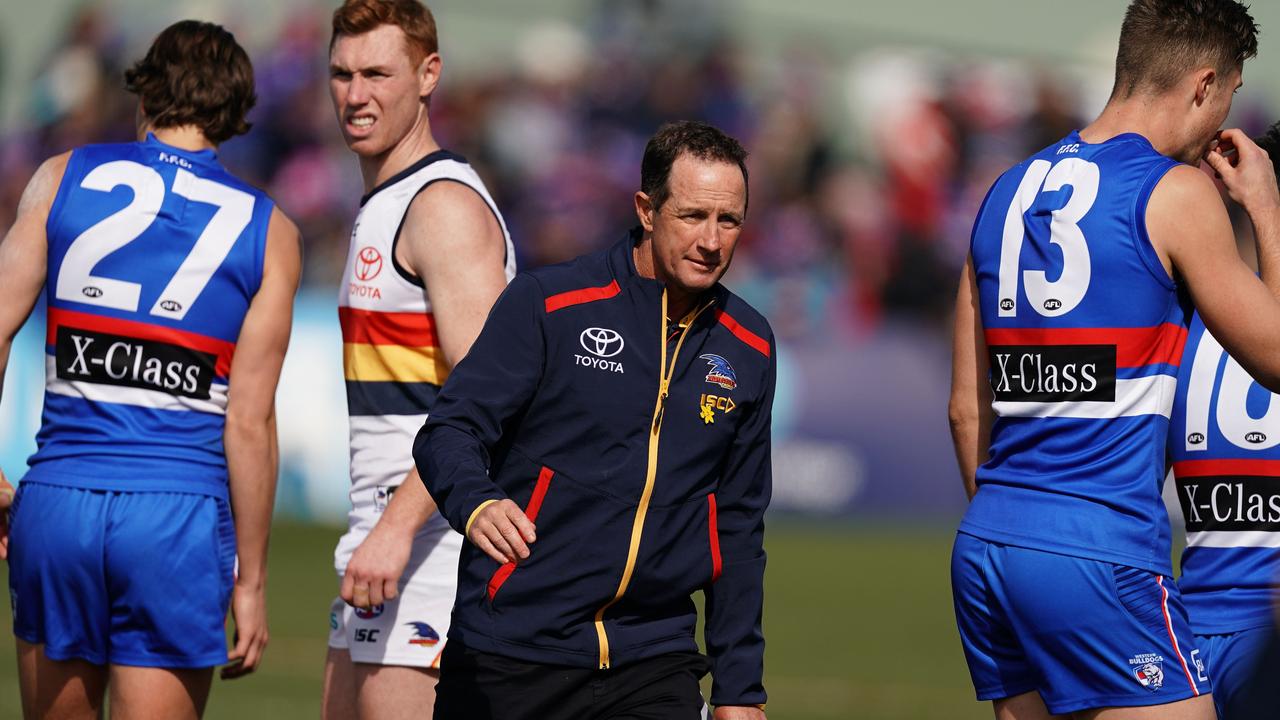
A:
<point x="622" y="265"/>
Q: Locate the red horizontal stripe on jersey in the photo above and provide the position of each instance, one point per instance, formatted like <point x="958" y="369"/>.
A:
<point x="1135" y="347"/>
<point x="1224" y="467"/>
<point x="411" y="329"/>
<point x="563" y="300"/>
<point x="222" y="349"/>
<point x="751" y="339"/>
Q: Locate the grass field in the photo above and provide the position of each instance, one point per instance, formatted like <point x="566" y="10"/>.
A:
<point x="858" y="621"/>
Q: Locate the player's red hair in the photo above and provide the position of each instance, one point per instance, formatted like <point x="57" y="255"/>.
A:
<point x="357" y="17"/>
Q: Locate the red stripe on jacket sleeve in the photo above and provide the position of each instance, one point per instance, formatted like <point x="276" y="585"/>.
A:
<point x="563" y="300"/>
<point x="530" y="511"/>
<point x="753" y="340"/>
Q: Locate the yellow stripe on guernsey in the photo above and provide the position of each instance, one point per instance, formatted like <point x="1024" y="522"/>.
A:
<point x="651" y="471"/>
<point x="394" y="363"/>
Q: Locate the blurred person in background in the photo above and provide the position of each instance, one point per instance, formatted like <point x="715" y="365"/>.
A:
<point x="429" y="254"/>
<point x="1062" y="389"/>
<point x="1225" y="458"/>
<point x="147" y="506"/>
<point x="623" y="402"/>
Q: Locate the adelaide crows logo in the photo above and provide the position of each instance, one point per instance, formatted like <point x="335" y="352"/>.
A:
<point x="424" y="634"/>
<point x="721" y="372"/>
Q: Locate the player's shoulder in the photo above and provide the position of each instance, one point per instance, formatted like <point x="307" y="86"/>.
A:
<point x="743" y="321"/>
<point x="1184" y="190"/>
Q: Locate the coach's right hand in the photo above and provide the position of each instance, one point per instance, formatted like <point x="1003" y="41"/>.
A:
<point x="503" y="531"/>
<point x="6" y="500"/>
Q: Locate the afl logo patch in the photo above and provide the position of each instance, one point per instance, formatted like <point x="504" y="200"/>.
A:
<point x="91" y="291"/>
<point x="368" y="264"/>
<point x="1053" y="304"/>
<point x="1195" y="438"/>
<point x="1255" y="437"/>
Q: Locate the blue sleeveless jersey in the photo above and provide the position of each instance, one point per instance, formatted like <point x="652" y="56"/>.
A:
<point x="154" y="255"/>
<point x="1224" y="440"/>
<point x="1085" y="331"/>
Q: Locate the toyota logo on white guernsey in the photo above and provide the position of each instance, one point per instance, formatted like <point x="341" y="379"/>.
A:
<point x="601" y="342"/>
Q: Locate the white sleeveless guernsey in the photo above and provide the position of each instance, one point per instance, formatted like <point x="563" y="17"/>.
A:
<point x="392" y="359"/>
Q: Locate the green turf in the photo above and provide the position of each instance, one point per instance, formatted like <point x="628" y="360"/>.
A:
<point x="858" y="621"/>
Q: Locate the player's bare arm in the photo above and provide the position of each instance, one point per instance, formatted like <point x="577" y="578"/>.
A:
<point x="453" y="242"/>
<point x="970" y="407"/>
<point x="1188" y="223"/>
<point x="250" y="436"/>
<point x="22" y="274"/>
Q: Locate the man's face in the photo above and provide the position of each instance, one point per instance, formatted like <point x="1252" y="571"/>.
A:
<point x="377" y="89"/>
<point x="697" y="228"/>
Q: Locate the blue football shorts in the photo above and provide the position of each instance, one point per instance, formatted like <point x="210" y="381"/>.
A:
<point x="125" y="578"/>
<point x="1233" y="662"/>
<point x="1084" y="633"/>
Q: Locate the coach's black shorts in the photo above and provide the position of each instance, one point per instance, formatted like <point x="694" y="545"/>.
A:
<point x="481" y="686"/>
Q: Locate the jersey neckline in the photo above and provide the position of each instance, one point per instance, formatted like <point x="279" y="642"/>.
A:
<point x="208" y="156"/>
<point x="426" y="160"/>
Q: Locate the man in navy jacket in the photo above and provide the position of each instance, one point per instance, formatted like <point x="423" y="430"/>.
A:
<point x="620" y="401"/>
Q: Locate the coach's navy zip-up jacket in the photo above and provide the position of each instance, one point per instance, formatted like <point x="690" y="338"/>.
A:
<point x="640" y="449"/>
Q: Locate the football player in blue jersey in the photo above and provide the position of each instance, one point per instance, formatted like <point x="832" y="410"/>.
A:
<point x="147" y="506"/>
<point x="1070" y="320"/>
<point x="1224" y="443"/>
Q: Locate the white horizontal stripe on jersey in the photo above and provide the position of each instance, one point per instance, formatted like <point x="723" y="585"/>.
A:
<point x="1151" y="395"/>
<point x="97" y="392"/>
<point x="1234" y="538"/>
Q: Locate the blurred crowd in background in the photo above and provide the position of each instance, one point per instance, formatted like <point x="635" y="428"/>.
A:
<point x="841" y="231"/>
<point x="867" y="167"/>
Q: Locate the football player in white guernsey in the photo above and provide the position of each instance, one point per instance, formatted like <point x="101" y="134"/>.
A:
<point x="427" y="261"/>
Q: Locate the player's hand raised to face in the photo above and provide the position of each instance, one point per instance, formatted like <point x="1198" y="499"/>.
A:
<point x="249" y="610"/>
<point x="6" y="500"/>
<point x="503" y="531"/>
<point x="728" y="712"/>
<point x="1247" y="173"/>
<point x="373" y="574"/>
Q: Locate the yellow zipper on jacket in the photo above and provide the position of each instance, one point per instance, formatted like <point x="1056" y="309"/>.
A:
<point x="665" y="374"/>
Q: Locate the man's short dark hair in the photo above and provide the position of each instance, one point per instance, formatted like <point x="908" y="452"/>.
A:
<point x="1161" y="40"/>
<point x="1270" y="141"/>
<point x="702" y="141"/>
<point x="195" y="74"/>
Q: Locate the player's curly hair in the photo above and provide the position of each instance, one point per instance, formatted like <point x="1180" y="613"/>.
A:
<point x="356" y="17"/>
<point x="1160" y="40"/>
<point x="703" y="141"/>
<point x="1270" y="141"/>
<point x="195" y="74"/>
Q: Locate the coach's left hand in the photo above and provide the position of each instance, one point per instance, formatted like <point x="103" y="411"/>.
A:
<point x="6" y="500"/>
<point x="249" y="610"/>
<point x="732" y="712"/>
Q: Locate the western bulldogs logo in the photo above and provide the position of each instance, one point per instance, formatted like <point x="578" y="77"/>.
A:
<point x="1148" y="669"/>
<point x="423" y="634"/>
<point x="368" y="264"/>
<point x="721" y="372"/>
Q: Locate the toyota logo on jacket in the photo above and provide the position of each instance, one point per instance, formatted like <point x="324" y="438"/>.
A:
<point x="646" y="471"/>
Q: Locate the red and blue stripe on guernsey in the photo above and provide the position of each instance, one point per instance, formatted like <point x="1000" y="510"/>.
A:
<point x="1224" y="439"/>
